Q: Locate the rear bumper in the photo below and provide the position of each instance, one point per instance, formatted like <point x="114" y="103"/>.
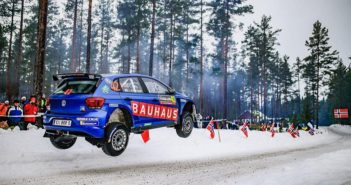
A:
<point x="80" y="124"/>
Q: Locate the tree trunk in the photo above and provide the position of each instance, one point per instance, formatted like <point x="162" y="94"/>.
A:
<point x="19" y="54"/>
<point x="87" y="67"/>
<point x="102" y="46"/>
<point x="170" y="54"/>
<point x="201" y="63"/>
<point x="152" y="42"/>
<point x="129" y="55"/>
<point x="187" y="49"/>
<point x="80" y="36"/>
<point x="40" y="60"/>
<point x="9" y="60"/>
<point x="73" y="67"/>
<point x="138" y="51"/>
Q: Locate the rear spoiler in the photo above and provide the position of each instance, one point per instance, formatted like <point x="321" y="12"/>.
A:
<point x="59" y="77"/>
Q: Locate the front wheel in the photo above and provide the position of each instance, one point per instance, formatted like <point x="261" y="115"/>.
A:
<point x="117" y="137"/>
<point x="63" y="142"/>
<point x="186" y="126"/>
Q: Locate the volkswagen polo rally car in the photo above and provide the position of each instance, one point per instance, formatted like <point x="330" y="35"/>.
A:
<point x="105" y="109"/>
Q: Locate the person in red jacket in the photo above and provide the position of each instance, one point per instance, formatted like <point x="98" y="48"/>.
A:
<point x="30" y="109"/>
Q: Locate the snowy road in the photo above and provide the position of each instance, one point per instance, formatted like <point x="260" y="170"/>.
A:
<point x="321" y="159"/>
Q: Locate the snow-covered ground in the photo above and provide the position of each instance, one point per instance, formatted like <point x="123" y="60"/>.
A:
<point x="28" y="158"/>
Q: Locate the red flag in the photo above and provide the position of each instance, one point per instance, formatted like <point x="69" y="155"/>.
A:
<point x="296" y="132"/>
<point x="210" y="127"/>
<point x="272" y="130"/>
<point x="244" y="130"/>
<point x="145" y="136"/>
<point x="291" y="131"/>
<point x="341" y="113"/>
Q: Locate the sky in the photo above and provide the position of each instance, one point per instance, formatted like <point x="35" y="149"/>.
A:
<point x="296" y="18"/>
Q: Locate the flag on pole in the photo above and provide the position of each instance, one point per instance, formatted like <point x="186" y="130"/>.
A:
<point x="210" y="127"/>
<point x="291" y="131"/>
<point x="272" y="130"/>
<point x="244" y="130"/>
<point x="145" y="136"/>
<point x="219" y="135"/>
<point x="311" y="131"/>
<point x="341" y="113"/>
<point x="296" y="132"/>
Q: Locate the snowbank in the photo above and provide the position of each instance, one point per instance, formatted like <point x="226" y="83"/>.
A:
<point x="346" y="129"/>
<point x="29" y="154"/>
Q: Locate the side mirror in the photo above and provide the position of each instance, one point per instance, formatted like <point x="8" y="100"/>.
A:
<point x="171" y="91"/>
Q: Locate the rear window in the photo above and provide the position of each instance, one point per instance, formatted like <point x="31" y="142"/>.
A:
<point x="76" y="86"/>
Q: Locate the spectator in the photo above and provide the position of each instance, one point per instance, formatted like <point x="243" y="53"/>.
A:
<point x="42" y="104"/>
<point x="4" y="107"/>
<point x="30" y="109"/>
<point x="24" y="101"/>
<point x="15" y="114"/>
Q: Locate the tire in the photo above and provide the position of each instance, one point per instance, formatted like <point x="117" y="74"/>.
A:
<point x="63" y="142"/>
<point x="186" y="125"/>
<point x="117" y="137"/>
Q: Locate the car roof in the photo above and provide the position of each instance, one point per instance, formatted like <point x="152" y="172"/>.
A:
<point x="122" y="75"/>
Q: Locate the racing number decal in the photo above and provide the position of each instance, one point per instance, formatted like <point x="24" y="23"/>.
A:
<point x="154" y="111"/>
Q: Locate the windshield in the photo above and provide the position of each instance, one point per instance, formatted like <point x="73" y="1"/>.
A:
<point x="77" y="86"/>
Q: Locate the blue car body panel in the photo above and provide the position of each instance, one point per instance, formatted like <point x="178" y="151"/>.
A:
<point x="92" y="122"/>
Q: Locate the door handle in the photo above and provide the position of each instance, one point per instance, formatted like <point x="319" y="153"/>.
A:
<point x="128" y="99"/>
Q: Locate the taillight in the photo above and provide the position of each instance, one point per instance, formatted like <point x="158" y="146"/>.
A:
<point x="95" y="102"/>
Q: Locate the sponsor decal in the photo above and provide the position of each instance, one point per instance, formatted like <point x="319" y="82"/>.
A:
<point x="167" y="100"/>
<point x="105" y="89"/>
<point x="68" y="92"/>
<point x="147" y="124"/>
<point x="154" y="111"/>
<point x="115" y="86"/>
<point x="88" y="121"/>
<point x="113" y="105"/>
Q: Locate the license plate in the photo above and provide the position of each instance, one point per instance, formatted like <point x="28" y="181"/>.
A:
<point x="66" y="123"/>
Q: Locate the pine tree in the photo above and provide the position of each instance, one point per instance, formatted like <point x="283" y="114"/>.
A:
<point x="9" y="77"/>
<point x="317" y="65"/>
<point x="40" y="59"/>
<point x="87" y="65"/>
<point x="221" y="27"/>
<point x="19" y="57"/>
<point x="152" y="37"/>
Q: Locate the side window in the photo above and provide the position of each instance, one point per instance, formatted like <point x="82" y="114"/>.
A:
<point x="154" y="86"/>
<point x="130" y="85"/>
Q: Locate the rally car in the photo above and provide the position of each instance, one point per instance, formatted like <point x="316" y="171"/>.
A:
<point x="105" y="109"/>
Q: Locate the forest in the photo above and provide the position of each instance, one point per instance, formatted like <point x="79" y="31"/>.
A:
<point x="189" y="45"/>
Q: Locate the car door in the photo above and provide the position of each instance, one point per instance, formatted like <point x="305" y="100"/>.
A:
<point x="164" y="104"/>
<point x="132" y="91"/>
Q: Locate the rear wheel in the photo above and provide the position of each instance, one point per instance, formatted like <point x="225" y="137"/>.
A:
<point x="186" y="126"/>
<point x="117" y="136"/>
<point x="63" y="142"/>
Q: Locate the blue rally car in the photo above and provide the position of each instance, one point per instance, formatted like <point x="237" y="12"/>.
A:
<point x="105" y="109"/>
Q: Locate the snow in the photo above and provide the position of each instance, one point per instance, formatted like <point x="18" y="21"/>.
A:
<point x="28" y="154"/>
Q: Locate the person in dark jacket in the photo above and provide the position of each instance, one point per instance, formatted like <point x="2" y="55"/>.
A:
<point x="15" y="114"/>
